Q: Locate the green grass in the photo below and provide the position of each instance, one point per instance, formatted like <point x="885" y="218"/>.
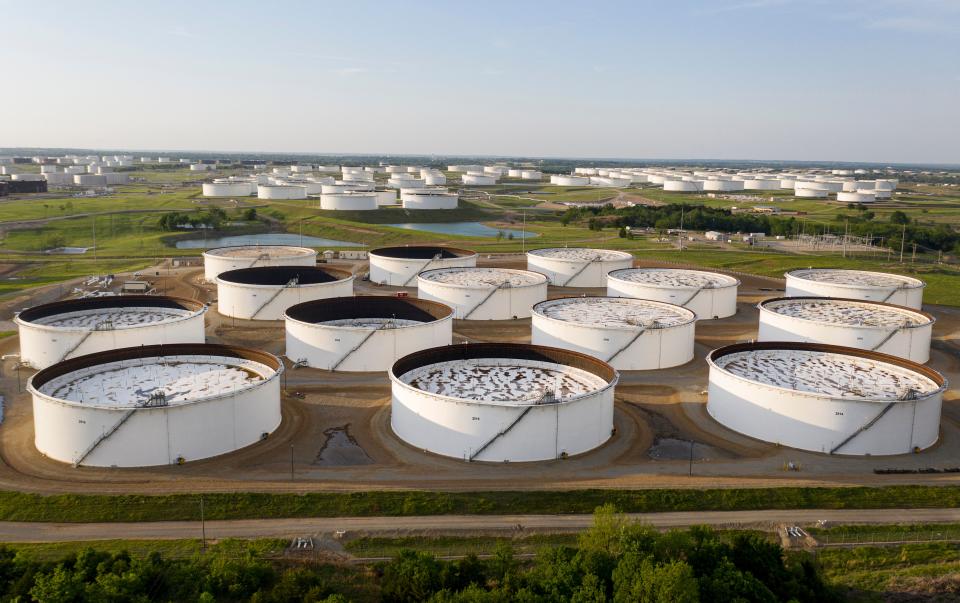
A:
<point x="4" y="334"/>
<point x="455" y="545"/>
<point x="174" y="549"/>
<point x="19" y="506"/>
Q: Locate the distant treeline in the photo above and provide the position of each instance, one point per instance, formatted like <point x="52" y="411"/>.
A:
<point x="702" y="218"/>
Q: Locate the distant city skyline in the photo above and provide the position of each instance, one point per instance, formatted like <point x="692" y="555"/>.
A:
<point x="790" y="80"/>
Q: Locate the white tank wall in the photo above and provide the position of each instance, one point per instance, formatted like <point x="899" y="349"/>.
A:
<point x="576" y="273"/>
<point x="415" y="200"/>
<point x="798" y="287"/>
<point x="819" y="423"/>
<point x="266" y="191"/>
<point x="246" y="302"/>
<point x="213" y="265"/>
<point x="157" y="436"/>
<point x="228" y="189"/>
<point x="348" y="201"/>
<point x="561" y="180"/>
<point x="402" y="272"/>
<point x="723" y="185"/>
<point x="912" y="343"/>
<point x="653" y="349"/>
<point x="387" y="197"/>
<point x="478" y="179"/>
<point x="323" y="346"/>
<point x="456" y="428"/>
<point x="504" y="304"/>
<point x="42" y="345"/>
<point x="720" y="302"/>
<point x="682" y="186"/>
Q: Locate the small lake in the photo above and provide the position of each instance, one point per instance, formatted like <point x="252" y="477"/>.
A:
<point x="267" y="238"/>
<point x="467" y="229"/>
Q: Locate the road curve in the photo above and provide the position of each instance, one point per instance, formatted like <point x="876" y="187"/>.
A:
<point x="447" y="524"/>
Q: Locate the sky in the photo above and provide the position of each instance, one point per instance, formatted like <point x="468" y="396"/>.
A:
<point x="831" y="80"/>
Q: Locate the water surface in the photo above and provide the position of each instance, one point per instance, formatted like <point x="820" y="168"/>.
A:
<point x="468" y="229"/>
<point x="267" y="238"/>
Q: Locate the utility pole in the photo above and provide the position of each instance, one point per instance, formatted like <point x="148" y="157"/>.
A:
<point x="913" y="257"/>
<point x="903" y="239"/>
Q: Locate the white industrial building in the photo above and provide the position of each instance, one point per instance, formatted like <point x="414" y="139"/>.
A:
<point x="856" y="284"/>
<point x="502" y="402"/>
<point x="825" y="398"/>
<point x="895" y="330"/>
<point x="365" y="333"/>
<point x="155" y="405"/>
<point x="265" y="293"/>
<point x="484" y="293"/>
<point x="399" y="266"/>
<point x="51" y="333"/>
<point x="429" y="198"/>
<point x="349" y="201"/>
<point x="629" y="334"/>
<point x="708" y="294"/>
<point x="577" y="266"/>
<point x="222" y="259"/>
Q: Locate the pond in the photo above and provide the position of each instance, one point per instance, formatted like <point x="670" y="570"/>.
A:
<point x="266" y="238"/>
<point x="468" y="229"/>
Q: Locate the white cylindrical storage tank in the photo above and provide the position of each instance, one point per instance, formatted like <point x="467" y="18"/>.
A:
<point x="514" y="173"/>
<point x="856" y="284"/>
<point x="281" y="191"/>
<point x="811" y="193"/>
<point x="682" y="186"/>
<point x="396" y="169"/>
<point x="856" y="197"/>
<point x="708" y="294"/>
<point x="54" y="332"/>
<point x="562" y="180"/>
<point x="722" y="185"/>
<point x="484" y="293"/>
<point x="502" y="402"/>
<point x="28" y="177"/>
<point x="228" y="189"/>
<point x="478" y="179"/>
<point x="761" y="184"/>
<point x="825" y="398"/>
<point x="386" y="197"/>
<point x="531" y="175"/>
<point x="399" y="266"/>
<point x="426" y="198"/>
<point x="352" y="201"/>
<point x="266" y="293"/>
<point x="436" y="179"/>
<point x="886" y="328"/>
<point x="155" y="405"/>
<point x="576" y="266"/>
<point x="222" y="259"/>
<point x="364" y="333"/>
<point x="89" y="180"/>
<point x="630" y="334"/>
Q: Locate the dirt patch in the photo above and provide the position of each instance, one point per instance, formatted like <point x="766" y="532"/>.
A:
<point x="341" y="449"/>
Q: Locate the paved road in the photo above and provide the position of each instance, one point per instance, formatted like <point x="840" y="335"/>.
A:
<point x="266" y="528"/>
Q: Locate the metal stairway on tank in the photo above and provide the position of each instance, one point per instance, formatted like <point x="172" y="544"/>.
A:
<point x="422" y="268"/>
<point x="582" y="268"/>
<point x="359" y="345"/>
<point x="544" y="399"/>
<point x="292" y="283"/>
<point x="155" y="400"/>
<point x="502" y="285"/>
<point x="908" y="395"/>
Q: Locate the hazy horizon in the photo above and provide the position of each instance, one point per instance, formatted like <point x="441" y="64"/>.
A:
<point x="850" y="81"/>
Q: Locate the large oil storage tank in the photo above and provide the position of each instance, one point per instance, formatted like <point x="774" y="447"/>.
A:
<point x="895" y="330"/>
<point x="265" y="293"/>
<point x="683" y="186"/>
<point x="349" y="201"/>
<point x="51" y="333"/>
<point x="708" y="294"/>
<point x="563" y="180"/>
<point x="399" y="266"/>
<point x="577" y="266"/>
<point x="825" y="398"/>
<point x="281" y="191"/>
<point x="222" y="259"/>
<point x="502" y="402"/>
<point x="365" y="333"/>
<point x="478" y="179"/>
<point x="856" y="284"/>
<point x="722" y="185"/>
<point x="484" y="293"/>
<point x="428" y="198"/>
<point x="630" y="334"/>
<point x="155" y="405"/>
<point x="861" y="196"/>
<point x="228" y="189"/>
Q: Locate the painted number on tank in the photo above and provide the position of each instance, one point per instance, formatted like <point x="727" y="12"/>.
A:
<point x="839" y="413"/>
<point x="476" y="418"/>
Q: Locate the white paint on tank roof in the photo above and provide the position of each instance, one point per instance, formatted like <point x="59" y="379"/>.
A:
<point x="670" y="277"/>
<point x="370" y="323"/>
<point x="502" y="380"/>
<point x="579" y="253"/>
<point x="255" y="251"/>
<point x="848" y="313"/>
<point x="130" y="384"/>
<point x="614" y="312"/>
<point x="856" y="277"/>
<point x="483" y="277"/>
<point x="826" y="373"/>
<point x="114" y="318"/>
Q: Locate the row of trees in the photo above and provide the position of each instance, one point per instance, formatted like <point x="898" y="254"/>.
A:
<point x="699" y="217"/>
<point x="211" y="218"/>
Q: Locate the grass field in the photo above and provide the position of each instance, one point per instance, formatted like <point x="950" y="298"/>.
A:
<point x="19" y="506"/>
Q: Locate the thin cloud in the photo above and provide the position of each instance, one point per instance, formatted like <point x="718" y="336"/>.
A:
<point x="913" y="25"/>
<point x="347" y="71"/>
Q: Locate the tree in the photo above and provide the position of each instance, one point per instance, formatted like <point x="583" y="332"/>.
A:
<point x="899" y="217"/>
<point x="250" y="215"/>
<point x="411" y="577"/>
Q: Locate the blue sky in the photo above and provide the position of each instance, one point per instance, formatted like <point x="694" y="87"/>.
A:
<point x="856" y="80"/>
